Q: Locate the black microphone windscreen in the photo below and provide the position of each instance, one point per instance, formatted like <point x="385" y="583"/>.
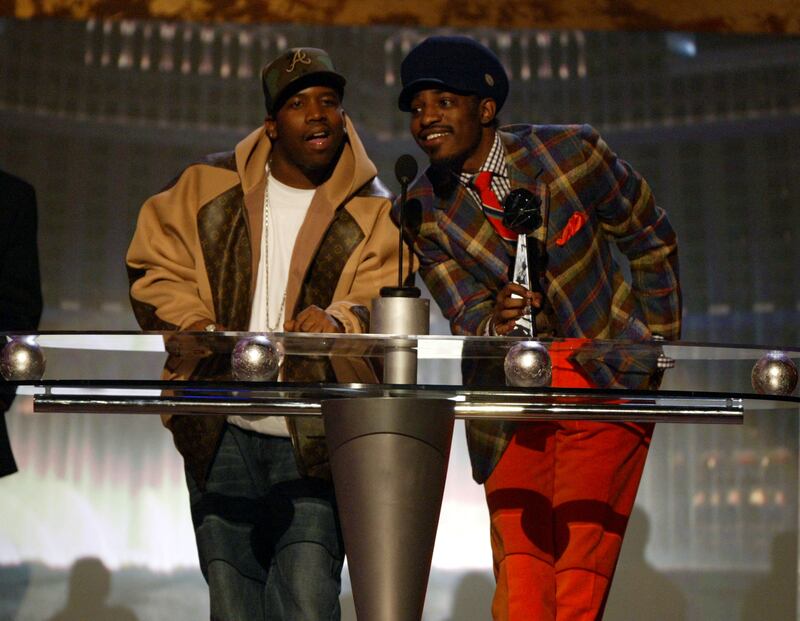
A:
<point x="413" y="217"/>
<point x="405" y="169"/>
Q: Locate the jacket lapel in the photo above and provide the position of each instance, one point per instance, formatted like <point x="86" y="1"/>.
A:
<point x="252" y="154"/>
<point x="466" y="225"/>
<point x="327" y="199"/>
<point x="254" y="206"/>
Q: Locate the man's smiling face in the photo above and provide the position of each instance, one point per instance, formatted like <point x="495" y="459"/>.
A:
<point x="448" y="127"/>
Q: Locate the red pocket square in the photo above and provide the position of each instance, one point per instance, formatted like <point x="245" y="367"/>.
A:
<point x="576" y="221"/>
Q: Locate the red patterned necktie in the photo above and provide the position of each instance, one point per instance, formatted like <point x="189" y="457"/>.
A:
<point x="482" y="182"/>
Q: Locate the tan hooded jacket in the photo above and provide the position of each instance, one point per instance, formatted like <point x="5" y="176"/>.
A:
<point x="194" y="257"/>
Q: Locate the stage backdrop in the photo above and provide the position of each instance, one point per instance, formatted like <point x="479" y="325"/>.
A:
<point x="100" y="113"/>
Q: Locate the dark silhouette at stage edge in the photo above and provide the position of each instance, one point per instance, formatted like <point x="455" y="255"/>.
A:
<point x="473" y="597"/>
<point x="639" y="591"/>
<point x="89" y="588"/>
<point x="775" y="595"/>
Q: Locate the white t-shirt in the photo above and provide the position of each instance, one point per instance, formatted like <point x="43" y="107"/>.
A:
<point x="287" y="211"/>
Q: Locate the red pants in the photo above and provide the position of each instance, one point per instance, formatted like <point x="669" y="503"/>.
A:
<point x="559" y="501"/>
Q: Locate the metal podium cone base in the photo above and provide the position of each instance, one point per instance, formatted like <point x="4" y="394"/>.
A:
<point x="389" y="462"/>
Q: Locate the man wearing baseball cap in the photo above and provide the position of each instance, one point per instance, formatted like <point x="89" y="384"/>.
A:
<point x="290" y="231"/>
<point x="559" y="492"/>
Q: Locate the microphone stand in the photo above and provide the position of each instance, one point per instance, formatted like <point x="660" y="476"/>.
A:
<point x="400" y="310"/>
<point x="404" y="181"/>
<point x="405" y="171"/>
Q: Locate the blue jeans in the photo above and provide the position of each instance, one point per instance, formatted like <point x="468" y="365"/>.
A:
<point x="269" y="540"/>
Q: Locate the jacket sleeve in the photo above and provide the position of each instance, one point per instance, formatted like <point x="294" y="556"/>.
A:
<point x="629" y="216"/>
<point x="377" y="268"/>
<point x="20" y="289"/>
<point x="165" y="264"/>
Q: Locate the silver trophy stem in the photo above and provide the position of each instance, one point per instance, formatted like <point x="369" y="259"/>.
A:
<point x="522" y="276"/>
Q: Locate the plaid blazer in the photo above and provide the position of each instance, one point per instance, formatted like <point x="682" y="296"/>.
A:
<point x="590" y="201"/>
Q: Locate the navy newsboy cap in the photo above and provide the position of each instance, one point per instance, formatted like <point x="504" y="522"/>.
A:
<point x="454" y="63"/>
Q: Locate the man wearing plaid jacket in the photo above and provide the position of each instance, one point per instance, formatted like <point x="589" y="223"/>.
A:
<point x="559" y="493"/>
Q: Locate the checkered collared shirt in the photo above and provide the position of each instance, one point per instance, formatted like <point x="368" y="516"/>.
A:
<point x="496" y="164"/>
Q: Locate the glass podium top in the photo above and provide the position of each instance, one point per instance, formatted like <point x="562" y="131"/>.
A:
<point x="200" y="372"/>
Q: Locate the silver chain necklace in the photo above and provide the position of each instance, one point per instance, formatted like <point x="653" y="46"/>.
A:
<point x="266" y="263"/>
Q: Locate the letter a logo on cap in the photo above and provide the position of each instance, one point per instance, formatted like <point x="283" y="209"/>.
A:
<point x="299" y="57"/>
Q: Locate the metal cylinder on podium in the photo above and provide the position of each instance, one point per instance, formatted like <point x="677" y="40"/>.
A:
<point x="389" y="461"/>
<point x="403" y="316"/>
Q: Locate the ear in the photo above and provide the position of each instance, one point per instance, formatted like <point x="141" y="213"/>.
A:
<point x="271" y="128"/>
<point x="487" y="109"/>
<point x="344" y="121"/>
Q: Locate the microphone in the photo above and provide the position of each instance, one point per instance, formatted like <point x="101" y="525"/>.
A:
<point x="522" y="213"/>
<point x="405" y="170"/>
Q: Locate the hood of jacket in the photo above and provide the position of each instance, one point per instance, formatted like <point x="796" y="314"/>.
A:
<point x="353" y="170"/>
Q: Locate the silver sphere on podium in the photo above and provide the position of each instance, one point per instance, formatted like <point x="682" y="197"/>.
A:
<point x="255" y="359"/>
<point x="528" y="365"/>
<point x="22" y="360"/>
<point x="774" y="374"/>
